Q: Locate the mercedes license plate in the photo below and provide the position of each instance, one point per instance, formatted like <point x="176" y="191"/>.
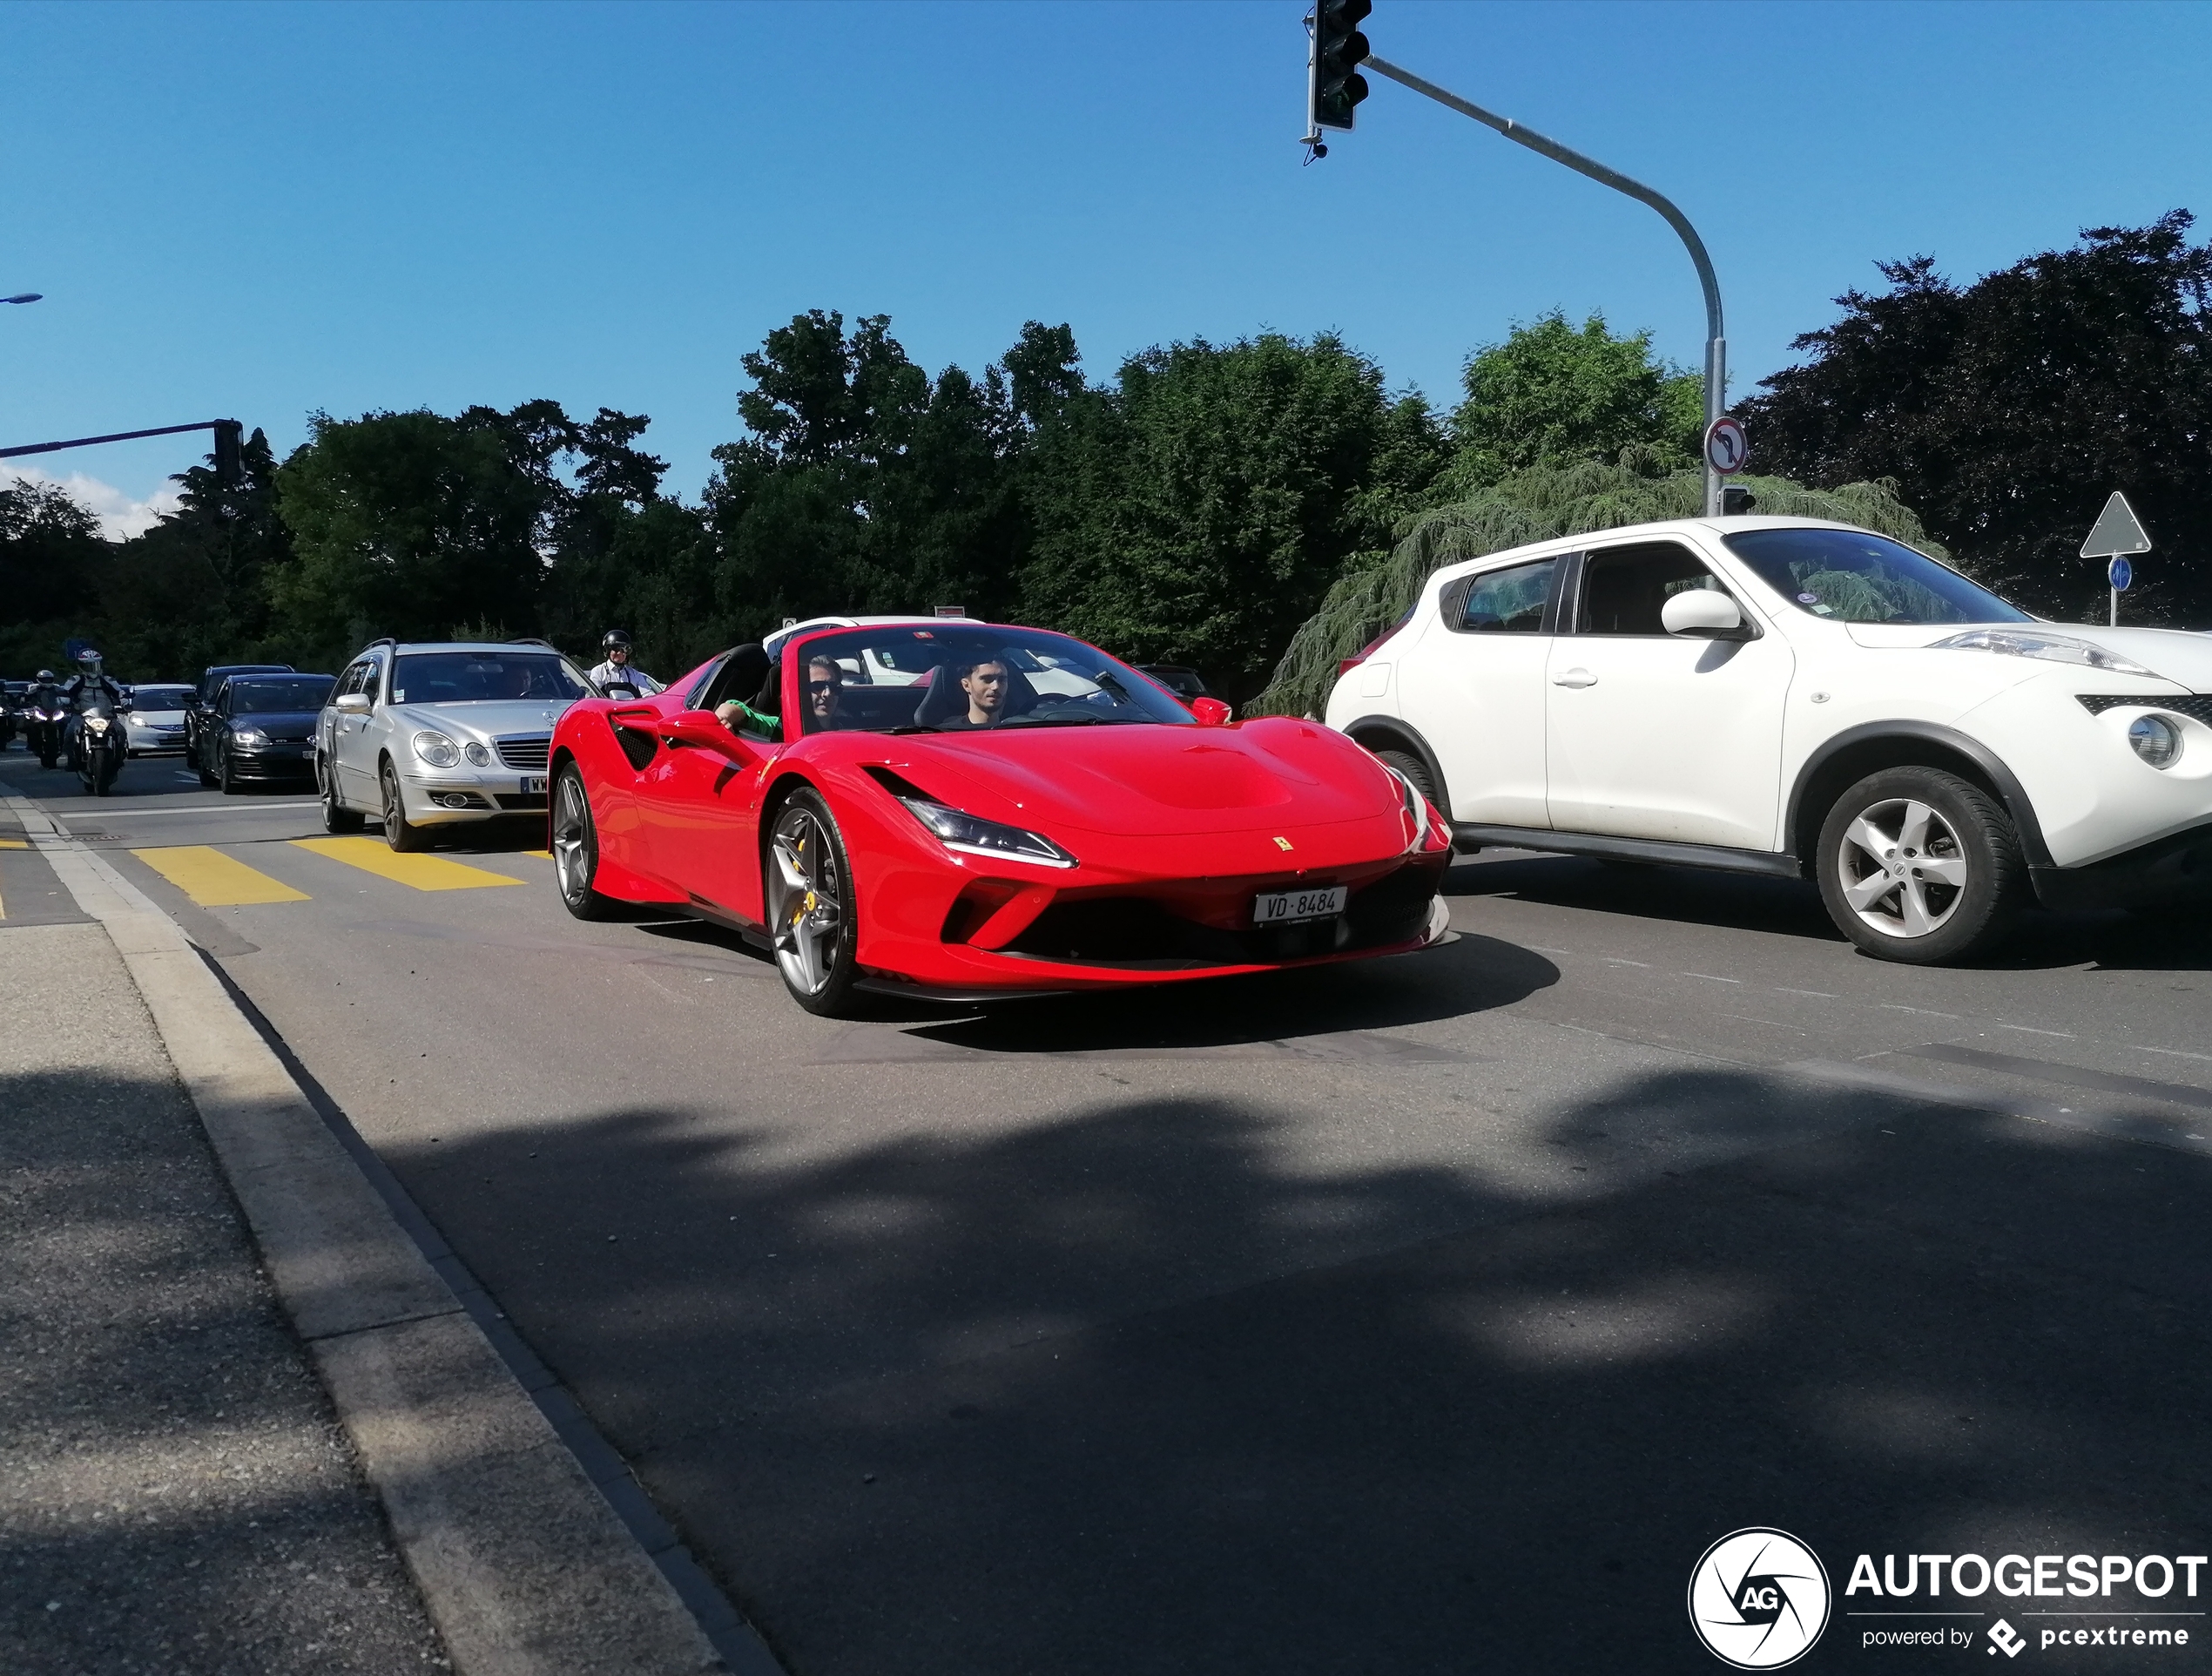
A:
<point x="1274" y="906"/>
<point x="533" y="783"/>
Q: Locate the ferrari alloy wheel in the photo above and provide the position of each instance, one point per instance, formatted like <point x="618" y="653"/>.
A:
<point x="810" y="905"/>
<point x="1918" y="866"/>
<point x="400" y="833"/>
<point x="575" y="849"/>
<point x="336" y="817"/>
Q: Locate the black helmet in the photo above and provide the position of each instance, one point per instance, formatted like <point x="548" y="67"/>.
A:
<point x="613" y="638"/>
<point x="45" y="674"/>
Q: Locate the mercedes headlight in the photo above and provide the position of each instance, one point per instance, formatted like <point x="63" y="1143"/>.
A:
<point x="252" y="739"/>
<point x="2052" y="648"/>
<point x="474" y="751"/>
<point x="436" y="750"/>
<point x="956" y="830"/>
<point x="2156" y="740"/>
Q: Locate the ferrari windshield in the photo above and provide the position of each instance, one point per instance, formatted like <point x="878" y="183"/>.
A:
<point x="481" y="676"/>
<point x="969" y="679"/>
<point x="1849" y="575"/>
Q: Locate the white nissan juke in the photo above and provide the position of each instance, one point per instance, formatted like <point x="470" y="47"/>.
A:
<point x="1798" y="698"/>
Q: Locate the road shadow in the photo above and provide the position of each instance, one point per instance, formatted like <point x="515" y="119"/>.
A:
<point x="1150" y="1389"/>
<point x="2161" y="939"/>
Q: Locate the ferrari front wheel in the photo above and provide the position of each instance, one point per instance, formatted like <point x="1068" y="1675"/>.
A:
<point x="809" y="898"/>
<point x="575" y="849"/>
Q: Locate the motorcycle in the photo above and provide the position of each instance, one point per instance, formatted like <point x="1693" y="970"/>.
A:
<point x="42" y="729"/>
<point x="101" y="745"/>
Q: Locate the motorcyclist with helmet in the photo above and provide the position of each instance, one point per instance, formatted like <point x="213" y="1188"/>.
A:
<point x="41" y="734"/>
<point x="89" y="691"/>
<point x="618" y="671"/>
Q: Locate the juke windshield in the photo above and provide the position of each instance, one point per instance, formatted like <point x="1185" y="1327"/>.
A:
<point x="902" y="680"/>
<point x="1849" y="575"/>
<point x="483" y="677"/>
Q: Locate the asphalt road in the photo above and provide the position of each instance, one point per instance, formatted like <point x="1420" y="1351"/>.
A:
<point x="1429" y="1314"/>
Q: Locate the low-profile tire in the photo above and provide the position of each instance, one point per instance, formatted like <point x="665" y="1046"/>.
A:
<point x="226" y="777"/>
<point x="47" y="759"/>
<point x="336" y="817"/>
<point x="575" y="842"/>
<point x="1415" y="770"/>
<point x="1919" y="866"/>
<point x="199" y="762"/>
<point x="808" y="889"/>
<point x="400" y="833"/>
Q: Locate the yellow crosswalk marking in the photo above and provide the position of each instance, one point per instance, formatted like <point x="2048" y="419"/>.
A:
<point x="423" y="872"/>
<point x="214" y="880"/>
<point x="18" y="843"/>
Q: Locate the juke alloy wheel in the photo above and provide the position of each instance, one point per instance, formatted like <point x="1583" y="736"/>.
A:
<point x="810" y="905"/>
<point x="1919" y="866"/>
<point x="575" y="849"/>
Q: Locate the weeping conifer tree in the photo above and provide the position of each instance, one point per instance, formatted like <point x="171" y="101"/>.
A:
<point x="1537" y="503"/>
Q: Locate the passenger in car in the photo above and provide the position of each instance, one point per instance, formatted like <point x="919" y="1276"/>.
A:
<point x="985" y="684"/>
<point x="749" y="669"/>
<point x="824" y="691"/>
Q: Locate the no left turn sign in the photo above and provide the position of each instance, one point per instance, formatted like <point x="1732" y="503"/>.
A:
<point x="1726" y="446"/>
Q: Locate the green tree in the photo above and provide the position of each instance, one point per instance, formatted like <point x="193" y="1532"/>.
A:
<point x="1536" y="504"/>
<point x="1553" y="394"/>
<point x="1196" y="511"/>
<point x="2007" y="411"/>
<point x="53" y="565"/>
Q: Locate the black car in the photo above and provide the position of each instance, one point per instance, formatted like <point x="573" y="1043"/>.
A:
<point x="261" y="727"/>
<point x="1182" y="681"/>
<point x="202" y="702"/>
<point x="13" y="696"/>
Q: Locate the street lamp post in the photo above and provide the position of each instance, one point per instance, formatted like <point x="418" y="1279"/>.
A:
<point x="1715" y="340"/>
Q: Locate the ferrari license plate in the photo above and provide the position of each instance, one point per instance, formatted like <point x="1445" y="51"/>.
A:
<point x="533" y="783"/>
<point x="1275" y="906"/>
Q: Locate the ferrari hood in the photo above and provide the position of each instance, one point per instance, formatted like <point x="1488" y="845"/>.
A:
<point x="1156" y="781"/>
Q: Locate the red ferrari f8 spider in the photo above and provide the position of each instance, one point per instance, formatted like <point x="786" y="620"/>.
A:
<point x="940" y="806"/>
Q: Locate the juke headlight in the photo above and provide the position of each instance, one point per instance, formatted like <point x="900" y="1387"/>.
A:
<point x="2156" y="740"/>
<point x="957" y="829"/>
<point x="436" y="750"/>
<point x="2052" y="648"/>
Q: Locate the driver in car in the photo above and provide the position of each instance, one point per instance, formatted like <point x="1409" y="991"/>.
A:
<point x="984" y="682"/>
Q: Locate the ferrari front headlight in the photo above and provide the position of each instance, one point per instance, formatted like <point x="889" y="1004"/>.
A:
<point x="957" y="829"/>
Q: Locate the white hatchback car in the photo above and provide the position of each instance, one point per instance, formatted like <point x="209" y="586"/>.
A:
<point x="1800" y="698"/>
<point x="439" y="734"/>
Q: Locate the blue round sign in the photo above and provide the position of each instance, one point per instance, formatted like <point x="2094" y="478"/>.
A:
<point x="2121" y="573"/>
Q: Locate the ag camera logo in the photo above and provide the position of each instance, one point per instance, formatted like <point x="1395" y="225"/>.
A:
<point x="1759" y="1599"/>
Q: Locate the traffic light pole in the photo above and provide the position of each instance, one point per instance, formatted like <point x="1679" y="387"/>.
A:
<point x="1715" y="340"/>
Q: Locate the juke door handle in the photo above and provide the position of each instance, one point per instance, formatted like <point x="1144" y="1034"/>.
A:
<point x="1577" y="677"/>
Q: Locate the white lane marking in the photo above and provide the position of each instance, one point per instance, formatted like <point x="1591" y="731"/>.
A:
<point x="2030" y="1030"/>
<point x="1773" y="1024"/>
<point x="1708" y="978"/>
<point x="1616" y="960"/>
<point x="106" y="809"/>
<point x="1925" y="1013"/>
<point x="2176" y="1053"/>
<point x="1539" y="949"/>
<point x="1818" y="995"/>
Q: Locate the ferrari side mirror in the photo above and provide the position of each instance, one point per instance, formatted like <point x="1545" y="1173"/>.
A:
<point x="1210" y="712"/>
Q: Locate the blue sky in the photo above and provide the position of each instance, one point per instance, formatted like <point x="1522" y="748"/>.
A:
<point x="265" y="210"/>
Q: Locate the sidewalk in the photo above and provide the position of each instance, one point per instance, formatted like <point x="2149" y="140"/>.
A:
<point x="176" y="1494"/>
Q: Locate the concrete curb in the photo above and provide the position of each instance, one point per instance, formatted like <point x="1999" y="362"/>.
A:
<point x="523" y="1560"/>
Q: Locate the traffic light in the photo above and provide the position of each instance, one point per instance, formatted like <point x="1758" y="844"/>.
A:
<point x="1339" y="51"/>
<point x="230" y="442"/>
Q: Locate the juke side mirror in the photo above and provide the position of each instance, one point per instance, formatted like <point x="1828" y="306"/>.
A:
<point x="1704" y="614"/>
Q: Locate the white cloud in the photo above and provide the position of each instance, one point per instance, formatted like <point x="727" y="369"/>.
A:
<point x="118" y="514"/>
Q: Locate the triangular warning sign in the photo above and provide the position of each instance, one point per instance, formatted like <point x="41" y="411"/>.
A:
<point x="2118" y="530"/>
